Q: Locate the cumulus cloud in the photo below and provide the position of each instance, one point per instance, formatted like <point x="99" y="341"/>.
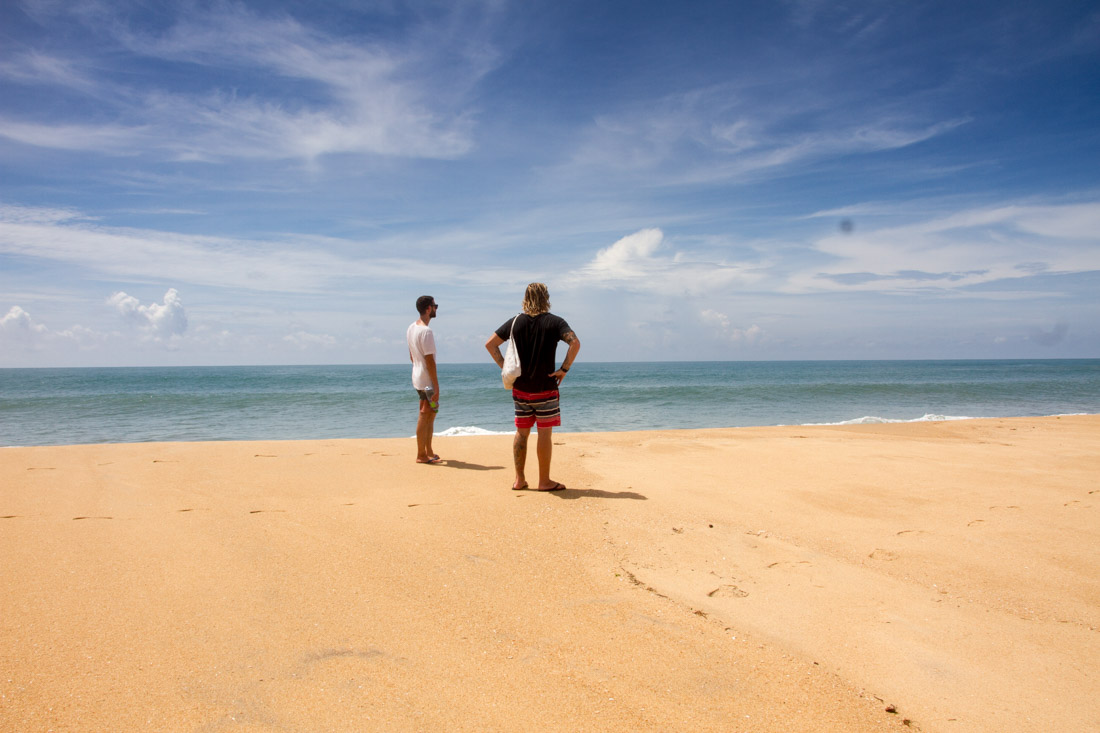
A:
<point x="636" y="262"/>
<point x="19" y="328"/>
<point x="630" y="257"/>
<point x="17" y="323"/>
<point x="714" y="318"/>
<point x="161" y="321"/>
<point x="722" y="323"/>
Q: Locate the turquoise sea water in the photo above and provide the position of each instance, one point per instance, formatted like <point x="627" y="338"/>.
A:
<point x="69" y="406"/>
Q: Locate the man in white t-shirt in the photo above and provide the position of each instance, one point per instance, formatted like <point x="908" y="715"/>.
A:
<point x="425" y="382"/>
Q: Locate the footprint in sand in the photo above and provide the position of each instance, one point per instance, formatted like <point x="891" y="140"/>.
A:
<point x="267" y="511"/>
<point x="76" y="518"/>
<point x="327" y="655"/>
<point x="41" y="468"/>
<point x="728" y="591"/>
<point x="880" y="554"/>
<point x="975" y="521"/>
<point x="263" y="455"/>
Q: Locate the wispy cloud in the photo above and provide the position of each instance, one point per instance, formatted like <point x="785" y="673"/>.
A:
<point x="274" y="89"/>
<point x="965" y="248"/>
<point x="142" y="255"/>
<point x="728" y="134"/>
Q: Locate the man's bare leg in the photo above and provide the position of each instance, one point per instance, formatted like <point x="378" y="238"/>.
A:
<point x="519" y="456"/>
<point x="545" y="450"/>
<point x="425" y="426"/>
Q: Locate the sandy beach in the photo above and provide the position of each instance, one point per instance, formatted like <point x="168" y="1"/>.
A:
<point x="924" y="576"/>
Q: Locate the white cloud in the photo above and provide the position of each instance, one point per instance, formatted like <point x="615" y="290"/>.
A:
<point x="721" y="133"/>
<point x="12" y="214"/>
<point x="635" y="262"/>
<point x="399" y="98"/>
<point x="19" y="328"/>
<point x="305" y="340"/>
<point x="714" y="318"/>
<point x="630" y="257"/>
<point x="297" y="266"/>
<point x="960" y="249"/>
<point x="722" y="323"/>
<point x="162" y="321"/>
<point x="17" y="323"/>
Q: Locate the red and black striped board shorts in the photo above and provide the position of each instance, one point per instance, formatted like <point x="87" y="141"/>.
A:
<point x="539" y="409"/>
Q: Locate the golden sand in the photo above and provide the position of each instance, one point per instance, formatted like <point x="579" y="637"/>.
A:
<point x="932" y="576"/>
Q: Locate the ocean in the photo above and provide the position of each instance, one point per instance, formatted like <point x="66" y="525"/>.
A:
<point x="126" y="405"/>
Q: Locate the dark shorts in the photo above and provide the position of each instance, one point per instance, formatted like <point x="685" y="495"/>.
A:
<point x="427" y="395"/>
<point x="536" y="409"/>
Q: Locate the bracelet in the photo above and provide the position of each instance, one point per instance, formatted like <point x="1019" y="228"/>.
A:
<point x="564" y="368"/>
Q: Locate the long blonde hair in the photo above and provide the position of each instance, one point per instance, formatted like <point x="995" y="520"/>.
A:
<point x="536" y="300"/>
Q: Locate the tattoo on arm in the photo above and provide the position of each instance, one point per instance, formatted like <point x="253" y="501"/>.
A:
<point x="569" y="337"/>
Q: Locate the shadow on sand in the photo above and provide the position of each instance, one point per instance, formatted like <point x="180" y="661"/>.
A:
<point x="598" y="494"/>
<point x="451" y="463"/>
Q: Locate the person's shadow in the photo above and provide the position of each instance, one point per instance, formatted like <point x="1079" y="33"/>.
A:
<point x="598" y="494"/>
<point x="452" y="463"/>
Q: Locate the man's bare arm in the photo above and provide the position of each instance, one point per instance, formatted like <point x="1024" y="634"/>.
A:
<point x="493" y="347"/>
<point x="570" y="356"/>
<point x="429" y="363"/>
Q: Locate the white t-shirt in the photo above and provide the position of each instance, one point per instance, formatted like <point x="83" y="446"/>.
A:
<point x="421" y="342"/>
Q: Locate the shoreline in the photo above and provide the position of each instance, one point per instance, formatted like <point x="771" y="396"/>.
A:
<point x="756" y="578"/>
<point x="478" y="432"/>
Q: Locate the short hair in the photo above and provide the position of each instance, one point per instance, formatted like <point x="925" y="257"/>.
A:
<point x="536" y="300"/>
<point x="423" y="303"/>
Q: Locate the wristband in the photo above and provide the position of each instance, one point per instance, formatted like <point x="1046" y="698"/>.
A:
<point x="564" y="368"/>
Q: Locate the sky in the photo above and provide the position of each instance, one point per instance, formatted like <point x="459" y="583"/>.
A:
<point x="213" y="183"/>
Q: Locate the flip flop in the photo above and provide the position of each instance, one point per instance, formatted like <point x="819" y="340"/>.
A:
<point x="433" y="459"/>
<point x="525" y="487"/>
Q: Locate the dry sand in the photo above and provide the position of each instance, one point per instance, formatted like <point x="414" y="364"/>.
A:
<point x="934" y="577"/>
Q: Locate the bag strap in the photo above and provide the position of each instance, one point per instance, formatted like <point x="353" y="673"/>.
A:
<point x="513" y="329"/>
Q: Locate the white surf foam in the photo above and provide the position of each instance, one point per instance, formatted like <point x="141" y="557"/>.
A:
<point x="469" y="430"/>
<point x="873" y="420"/>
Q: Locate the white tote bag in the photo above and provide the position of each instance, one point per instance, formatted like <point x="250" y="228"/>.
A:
<point x="512" y="368"/>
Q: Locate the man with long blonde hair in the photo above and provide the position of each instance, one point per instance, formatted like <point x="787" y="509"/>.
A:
<point x="536" y="333"/>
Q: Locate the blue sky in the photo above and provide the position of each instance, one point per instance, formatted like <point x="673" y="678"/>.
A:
<point x="276" y="182"/>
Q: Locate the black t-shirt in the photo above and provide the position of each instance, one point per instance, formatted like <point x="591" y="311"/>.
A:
<point x="537" y="342"/>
